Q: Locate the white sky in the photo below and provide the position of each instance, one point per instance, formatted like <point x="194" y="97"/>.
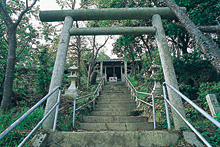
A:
<point x="52" y="5"/>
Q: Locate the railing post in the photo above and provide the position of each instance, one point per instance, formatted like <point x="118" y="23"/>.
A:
<point x="93" y="102"/>
<point x="57" y="109"/>
<point x="74" y="111"/>
<point x="154" y="117"/>
<point x="136" y="99"/>
<point x="166" y="106"/>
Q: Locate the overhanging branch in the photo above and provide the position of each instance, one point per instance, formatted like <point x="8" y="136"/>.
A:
<point x="24" y="11"/>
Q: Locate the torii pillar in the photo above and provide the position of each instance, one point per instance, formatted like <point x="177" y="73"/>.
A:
<point x="58" y="71"/>
<point x="168" y="70"/>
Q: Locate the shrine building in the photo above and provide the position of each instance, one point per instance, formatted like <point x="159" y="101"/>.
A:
<point x="116" y="69"/>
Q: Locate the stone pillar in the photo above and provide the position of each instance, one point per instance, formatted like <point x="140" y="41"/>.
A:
<point x="101" y="68"/>
<point x="126" y="70"/>
<point x="58" y="71"/>
<point x="213" y="104"/>
<point x="168" y="70"/>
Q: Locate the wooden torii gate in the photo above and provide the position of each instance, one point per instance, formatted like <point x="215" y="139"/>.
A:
<point x="156" y="14"/>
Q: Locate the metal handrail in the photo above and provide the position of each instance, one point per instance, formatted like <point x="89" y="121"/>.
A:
<point x="130" y="85"/>
<point x="19" y="120"/>
<point x="94" y="94"/>
<point x="209" y="117"/>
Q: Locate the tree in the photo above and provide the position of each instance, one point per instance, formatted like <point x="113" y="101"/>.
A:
<point x="95" y="50"/>
<point x="103" y="56"/>
<point x="5" y="12"/>
<point x="129" y="47"/>
<point x="205" y="42"/>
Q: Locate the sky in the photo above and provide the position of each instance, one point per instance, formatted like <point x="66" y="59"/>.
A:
<point x="52" y="5"/>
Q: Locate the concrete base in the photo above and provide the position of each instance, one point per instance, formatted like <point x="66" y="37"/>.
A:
<point x="71" y="93"/>
<point x="39" y="140"/>
<point x="191" y="138"/>
<point x="112" y="139"/>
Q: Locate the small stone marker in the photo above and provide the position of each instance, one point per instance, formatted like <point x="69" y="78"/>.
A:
<point x="213" y="104"/>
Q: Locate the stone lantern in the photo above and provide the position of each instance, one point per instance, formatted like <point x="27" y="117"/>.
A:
<point x="72" y="90"/>
<point x="157" y="90"/>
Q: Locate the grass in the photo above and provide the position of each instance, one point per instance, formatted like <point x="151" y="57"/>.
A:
<point x="20" y="132"/>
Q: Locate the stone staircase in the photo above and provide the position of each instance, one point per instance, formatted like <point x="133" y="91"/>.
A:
<point x="113" y="123"/>
<point x="115" y="111"/>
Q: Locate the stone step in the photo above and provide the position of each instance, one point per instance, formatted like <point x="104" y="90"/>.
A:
<point x="111" y="139"/>
<point x="113" y="119"/>
<point x="117" y="90"/>
<point x="117" y="126"/>
<point x="114" y="108"/>
<point x="115" y="95"/>
<point x="114" y="100"/>
<point x="112" y="105"/>
<point x="119" y="98"/>
<point x="115" y="113"/>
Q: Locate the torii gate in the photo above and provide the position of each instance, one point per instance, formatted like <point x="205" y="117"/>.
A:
<point x="68" y="16"/>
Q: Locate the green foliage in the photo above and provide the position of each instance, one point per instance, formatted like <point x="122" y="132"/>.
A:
<point x="127" y="46"/>
<point x="44" y="71"/>
<point x="103" y="56"/>
<point x="192" y="71"/>
<point x="208" y="88"/>
<point x="17" y="135"/>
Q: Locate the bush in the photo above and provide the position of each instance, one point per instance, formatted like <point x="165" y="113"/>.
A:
<point x="208" y="88"/>
<point x="192" y="71"/>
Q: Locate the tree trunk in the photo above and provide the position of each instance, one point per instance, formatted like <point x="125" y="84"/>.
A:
<point x="9" y="75"/>
<point x="209" y="48"/>
<point x="84" y="67"/>
<point x="78" y="60"/>
<point x="79" y="73"/>
<point x="88" y="78"/>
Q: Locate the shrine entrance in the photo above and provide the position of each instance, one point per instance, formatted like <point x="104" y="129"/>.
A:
<point x="154" y="13"/>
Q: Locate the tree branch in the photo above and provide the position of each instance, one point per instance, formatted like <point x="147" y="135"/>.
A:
<point x="22" y="50"/>
<point x="4" y="13"/>
<point x="24" y="11"/>
<point x="148" y="49"/>
<point x="103" y="44"/>
<point x="209" y="48"/>
<point x="69" y="5"/>
<point x="73" y="4"/>
<point x="206" y="29"/>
